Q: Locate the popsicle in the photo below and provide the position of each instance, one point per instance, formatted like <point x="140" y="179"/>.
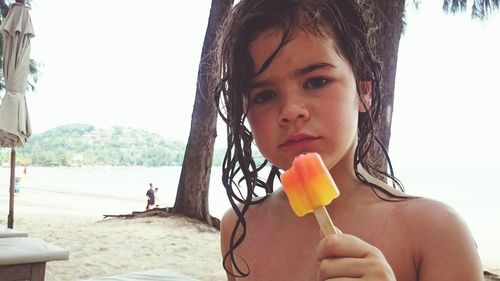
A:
<point x="309" y="187"/>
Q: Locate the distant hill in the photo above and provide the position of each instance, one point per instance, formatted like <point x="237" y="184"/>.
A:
<point x="86" y="145"/>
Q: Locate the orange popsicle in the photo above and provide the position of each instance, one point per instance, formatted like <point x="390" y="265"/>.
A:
<point x="309" y="187"/>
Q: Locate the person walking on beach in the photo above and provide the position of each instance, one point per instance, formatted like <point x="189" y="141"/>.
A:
<point x="303" y="75"/>
<point x="157" y="198"/>
<point x="150" y="195"/>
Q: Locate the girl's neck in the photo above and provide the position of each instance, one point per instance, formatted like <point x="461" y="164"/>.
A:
<point x="344" y="176"/>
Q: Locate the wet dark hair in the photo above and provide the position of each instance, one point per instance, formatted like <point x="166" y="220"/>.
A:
<point x="348" y="22"/>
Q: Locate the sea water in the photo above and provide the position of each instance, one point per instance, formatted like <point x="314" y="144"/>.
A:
<point x="119" y="183"/>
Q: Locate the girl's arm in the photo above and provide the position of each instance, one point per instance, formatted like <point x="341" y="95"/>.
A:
<point x="448" y="251"/>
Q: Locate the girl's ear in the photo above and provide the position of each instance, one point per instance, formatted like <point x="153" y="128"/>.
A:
<point x="365" y="92"/>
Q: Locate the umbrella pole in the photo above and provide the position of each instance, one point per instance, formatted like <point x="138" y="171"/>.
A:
<point x="10" y="219"/>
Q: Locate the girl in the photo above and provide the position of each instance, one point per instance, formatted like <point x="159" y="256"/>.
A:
<point x="303" y="74"/>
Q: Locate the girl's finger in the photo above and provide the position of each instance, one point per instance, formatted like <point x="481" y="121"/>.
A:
<point x="343" y="267"/>
<point x="344" y="245"/>
<point x="337" y="230"/>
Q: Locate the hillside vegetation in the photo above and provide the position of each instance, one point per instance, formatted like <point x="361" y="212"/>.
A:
<point x="86" y="145"/>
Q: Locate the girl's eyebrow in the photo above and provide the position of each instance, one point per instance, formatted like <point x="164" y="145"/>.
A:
<point x="260" y="84"/>
<point x="313" y="67"/>
<point x="298" y="72"/>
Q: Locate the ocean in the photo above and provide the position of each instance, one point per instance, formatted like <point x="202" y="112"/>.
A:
<point x="127" y="184"/>
<point x="473" y="192"/>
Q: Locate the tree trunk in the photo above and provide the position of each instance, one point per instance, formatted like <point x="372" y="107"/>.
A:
<point x="192" y="192"/>
<point x="388" y="36"/>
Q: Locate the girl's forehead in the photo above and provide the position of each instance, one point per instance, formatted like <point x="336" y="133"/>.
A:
<point x="276" y="34"/>
<point x="265" y="41"/>
<point x="270" y="42"/>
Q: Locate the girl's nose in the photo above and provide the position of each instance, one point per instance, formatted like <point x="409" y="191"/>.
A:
<point x="293" y="110"/>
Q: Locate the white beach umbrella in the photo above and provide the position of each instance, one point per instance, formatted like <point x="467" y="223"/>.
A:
<point x="15" y="126"/>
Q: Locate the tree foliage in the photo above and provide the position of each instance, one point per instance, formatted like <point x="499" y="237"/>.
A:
<point x="86" y="145"/>
<point x="480" y="8"/>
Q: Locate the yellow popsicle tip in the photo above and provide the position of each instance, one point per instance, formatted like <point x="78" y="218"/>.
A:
<point x="308" y="184"/>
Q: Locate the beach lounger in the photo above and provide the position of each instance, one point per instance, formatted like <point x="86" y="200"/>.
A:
<point x="7" y="233"/>
<point x="148" y="275"/>
<point x="24" y="258"/>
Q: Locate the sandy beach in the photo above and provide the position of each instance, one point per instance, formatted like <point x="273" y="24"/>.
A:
<point x="103" y="247"/>
<point x="114" y="246"/>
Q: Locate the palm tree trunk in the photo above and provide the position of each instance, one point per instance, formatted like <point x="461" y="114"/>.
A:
<point x="388" y="36"/>
<point x="192" y="192"/>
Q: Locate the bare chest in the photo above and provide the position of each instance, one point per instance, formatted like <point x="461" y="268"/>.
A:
<point x="280" y="252"/>
<point x="285" y="249"/>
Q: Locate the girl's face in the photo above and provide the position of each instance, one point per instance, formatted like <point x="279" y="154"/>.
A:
<point x="305" y="101"/>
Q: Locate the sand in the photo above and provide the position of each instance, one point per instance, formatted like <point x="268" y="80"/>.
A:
<point x="103" y="247"/>
<point x="114" y="246"/>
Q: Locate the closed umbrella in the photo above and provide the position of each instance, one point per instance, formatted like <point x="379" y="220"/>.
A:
<point x="15" y="126"/>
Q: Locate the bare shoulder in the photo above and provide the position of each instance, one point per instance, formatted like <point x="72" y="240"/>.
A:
<point x="230" y="219"/>
<point x="425" y="208"/>
<point x="266" y="212"/>
<point x="434" y="215"/>
<point x="431" y="220"/>
<point x="443" y="246"/>
<point x="235" y="225"/>
<point x="227" y="225"/>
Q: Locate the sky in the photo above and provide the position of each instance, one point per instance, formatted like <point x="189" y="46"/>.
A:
<point x="117" y="63"/>
<point x="122" y="63"/>
<point x="447" y="94"/>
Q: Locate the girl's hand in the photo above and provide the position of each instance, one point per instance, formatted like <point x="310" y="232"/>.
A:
<point x="346" y="257"/>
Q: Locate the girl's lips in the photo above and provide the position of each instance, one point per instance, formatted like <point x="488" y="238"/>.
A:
<point x="298" y="139"/>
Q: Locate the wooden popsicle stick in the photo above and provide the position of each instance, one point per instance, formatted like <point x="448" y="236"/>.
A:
<point x="324" y="221"/>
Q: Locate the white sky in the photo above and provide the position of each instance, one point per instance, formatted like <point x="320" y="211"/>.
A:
<point x="447" y="94"/>
<point x="117" y="63"/>
<point x="122" y="63"/>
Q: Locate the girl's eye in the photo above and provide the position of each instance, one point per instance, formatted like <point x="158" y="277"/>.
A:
<point x="262" y="97"/>
<point x="315" y="83"/>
